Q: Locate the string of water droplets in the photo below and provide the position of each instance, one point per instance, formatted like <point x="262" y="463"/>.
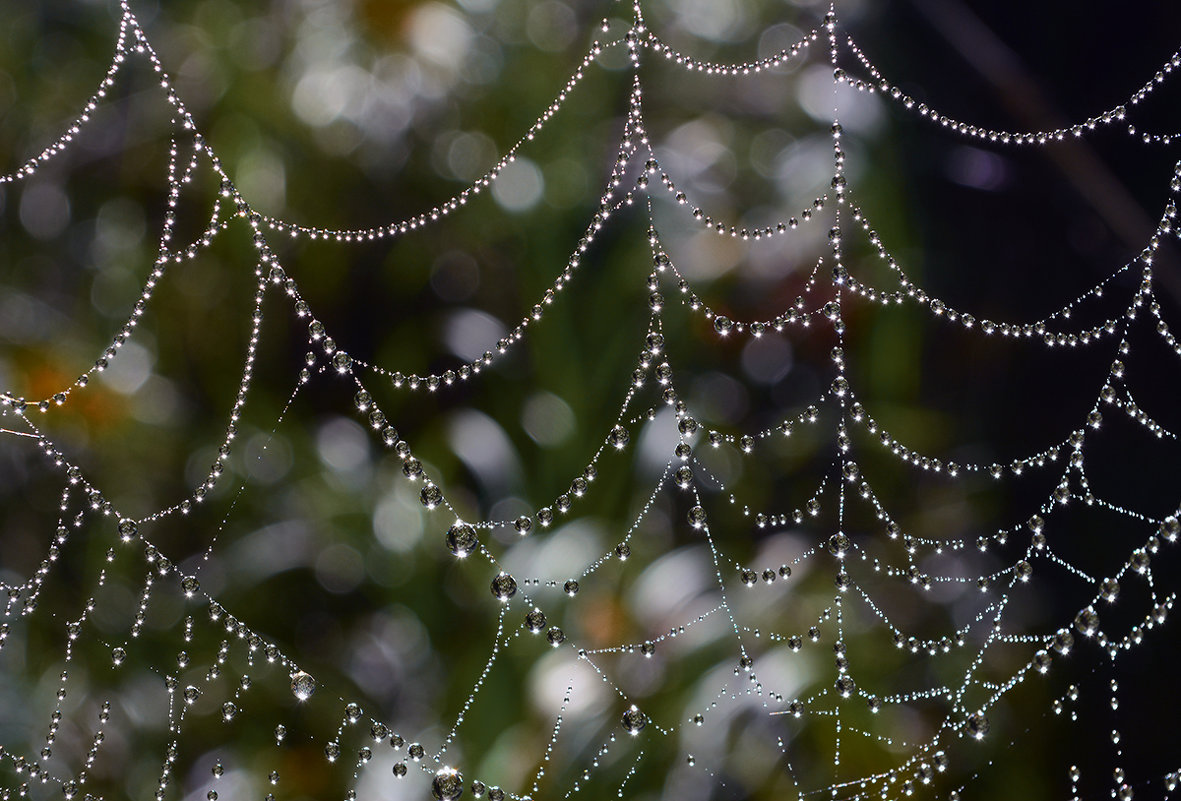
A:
<point x="523" y="600"/>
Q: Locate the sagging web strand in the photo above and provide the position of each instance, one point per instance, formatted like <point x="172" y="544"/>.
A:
<point x="82" y="499"/>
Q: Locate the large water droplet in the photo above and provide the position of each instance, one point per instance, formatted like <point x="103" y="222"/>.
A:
<point x="1087" y="622"/>
<point x="634" y="720"/>
<point x="302" y="685"/>
<point x="504" y="587"/>
<point x="838" y="545"/>
<point x="447" y="785"/>
<point x="128" y="530"/>
<point x="977" y="726"/>
<point x="431" y="496"/>
<point x="461" y="539"/>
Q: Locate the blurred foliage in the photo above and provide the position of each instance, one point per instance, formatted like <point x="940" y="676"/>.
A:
<point x="355" y="114"/>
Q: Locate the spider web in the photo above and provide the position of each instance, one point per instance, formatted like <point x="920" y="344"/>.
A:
<point x="780" y="613"/>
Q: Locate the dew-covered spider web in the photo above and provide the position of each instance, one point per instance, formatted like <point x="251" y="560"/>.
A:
<point x="758" y="494"/>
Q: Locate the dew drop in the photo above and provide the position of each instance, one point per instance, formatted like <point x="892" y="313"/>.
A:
<point x="838" y="545"/>
<point x="447" y="785"/>
<point x="128" y="530"/>
<point x="1139" y="561"/>
<point x="634" y="720"/>
<point x="461" y="539"/>
<point x="389" y="435"/>
<point x="1087" y="622"/>
<point x="302" y="685"/>
<point x="431" y="496"/>
<point x="977" y="726"/>
<point x="504" y="587"/>
<point x="1063" y="641"/>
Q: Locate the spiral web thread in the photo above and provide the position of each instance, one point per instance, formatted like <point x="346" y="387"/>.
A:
<point x="379" y="757"/>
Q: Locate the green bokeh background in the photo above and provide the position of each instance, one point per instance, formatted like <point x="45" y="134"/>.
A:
<point x="356" y="114"/>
